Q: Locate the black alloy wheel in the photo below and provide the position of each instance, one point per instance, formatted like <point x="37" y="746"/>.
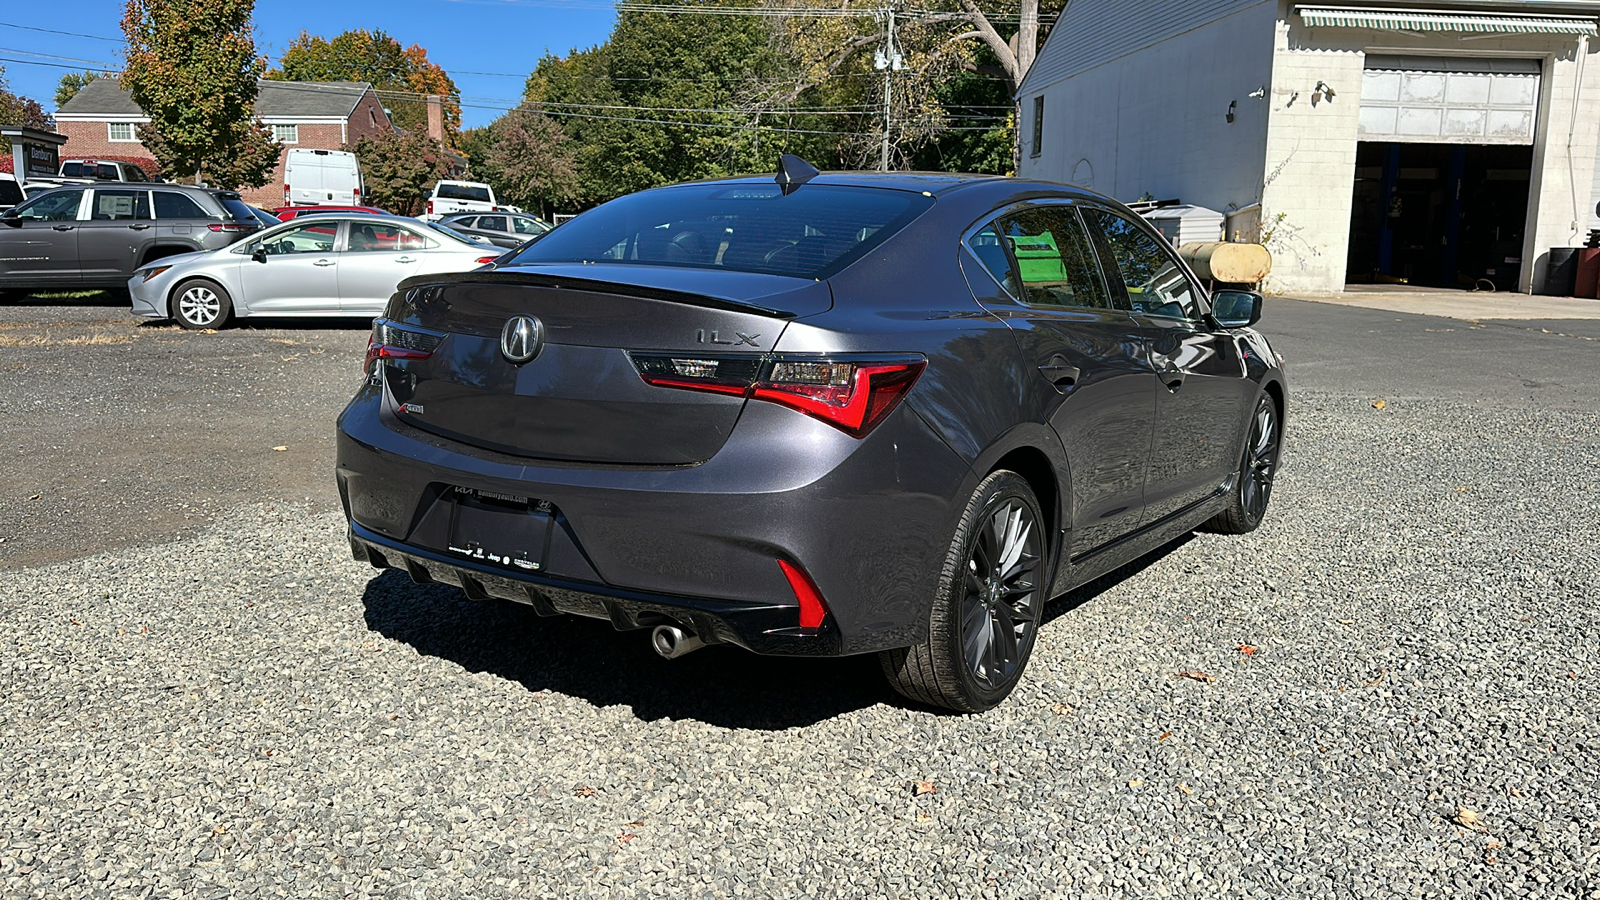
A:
<point x="1247" y="502"/>
<point x="991" y="598"/>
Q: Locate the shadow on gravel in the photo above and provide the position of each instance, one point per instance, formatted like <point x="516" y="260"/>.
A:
<point x="587" y="658"/>
<point x="1078" y="596"/>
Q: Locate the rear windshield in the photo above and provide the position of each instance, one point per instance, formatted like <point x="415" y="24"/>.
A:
<point x="462" y="192"/>
<point x="237" y="208"/>
<point x="812" y="233"/>
<point x="72" y="170"/>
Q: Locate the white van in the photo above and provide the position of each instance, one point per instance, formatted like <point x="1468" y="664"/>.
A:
<point x="321" y="178"/>
<point x="451" y="197"/>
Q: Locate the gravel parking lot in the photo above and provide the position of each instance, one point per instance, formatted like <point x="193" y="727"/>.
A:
<point x="1387" y="691"/>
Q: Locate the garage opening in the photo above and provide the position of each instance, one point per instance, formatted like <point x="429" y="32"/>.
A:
<point x="1443" y="171"/>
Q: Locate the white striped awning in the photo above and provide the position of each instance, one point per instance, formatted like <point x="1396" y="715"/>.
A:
<point x="1438" y="20"/>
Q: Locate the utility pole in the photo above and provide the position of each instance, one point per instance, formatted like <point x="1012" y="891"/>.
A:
<point x="888" y="61"/>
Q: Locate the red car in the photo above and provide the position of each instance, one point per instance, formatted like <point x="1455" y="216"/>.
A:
<point x="288" y="212"/>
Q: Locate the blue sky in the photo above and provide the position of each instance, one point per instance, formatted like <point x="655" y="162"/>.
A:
<point x="464" y="36"/>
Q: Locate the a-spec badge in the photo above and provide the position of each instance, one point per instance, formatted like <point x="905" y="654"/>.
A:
<point x="521" y="339"/>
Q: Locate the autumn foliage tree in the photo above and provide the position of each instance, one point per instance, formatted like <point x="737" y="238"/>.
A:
<point x="192" y="67"/>
<point x="530" y="161"/>
<point x="18" y="110"/>
<point x="402" y="77"/>
<point x="400" y="169"/>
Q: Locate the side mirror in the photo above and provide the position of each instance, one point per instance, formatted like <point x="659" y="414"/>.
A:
<point x="10" y="217"/>
<point x="1236" y="309"/>
<point x="259" y="254"/>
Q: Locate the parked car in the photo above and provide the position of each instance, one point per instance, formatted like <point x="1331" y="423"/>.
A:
<point x="335" y="265"/>
<point x="316" y="177"/>
<point x="459" y="197"/>
<point x="94" y="236"/>
<point x="285" y="213"/>
<point x="501" y="229"/>
<point x="267" y="219"/>
<point x="841" y="414"/>
<point x="10" y="192"/>
<point x="103" y="170"/>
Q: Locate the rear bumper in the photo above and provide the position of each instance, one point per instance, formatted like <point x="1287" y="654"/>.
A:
<point x="762" y="629"/>
<point x="870" y="521"/>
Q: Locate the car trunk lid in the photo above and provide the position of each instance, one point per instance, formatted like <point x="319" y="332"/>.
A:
<point x="580" y="397"/>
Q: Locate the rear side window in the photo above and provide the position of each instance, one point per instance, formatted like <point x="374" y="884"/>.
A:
<point x="116" y="205"/>
<point x="492" y="223"/>
<point x="462" y="192"/>
<point x="380" y="237"/>
<point x="1155" y="283"/>
<point x="136" y="174"/>
<point x="528" y="226"/>
<point x="1055" y="261"/>
<point x="811" y="233"/>
<point x="468" y="222"/>
<point x="172" y="205"/>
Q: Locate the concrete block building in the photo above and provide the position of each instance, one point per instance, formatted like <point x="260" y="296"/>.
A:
<point x="103" y="122"/>
<point x="1450" y="143"/>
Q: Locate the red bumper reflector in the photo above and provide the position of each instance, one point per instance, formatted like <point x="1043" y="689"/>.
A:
<point x="813" y="610"/>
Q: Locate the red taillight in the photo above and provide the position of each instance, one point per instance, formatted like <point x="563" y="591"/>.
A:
<point x="286" y="200"/>
<point x="358" y="196"/>
<point x="851" y="395"/>
<point x="230" y="227"/>
<point x="388" y="342"/>
<point x="813" y="609"/>
<point x="486" y="259"/>
<point x="430" y="207"/>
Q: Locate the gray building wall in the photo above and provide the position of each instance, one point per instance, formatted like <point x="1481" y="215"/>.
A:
<point x="1137" y="97"/>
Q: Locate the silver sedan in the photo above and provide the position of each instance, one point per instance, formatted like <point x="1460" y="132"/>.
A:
<point x="310" y="266"/>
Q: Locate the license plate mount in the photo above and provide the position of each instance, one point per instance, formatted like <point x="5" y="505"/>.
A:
<point x="500" y="529"/>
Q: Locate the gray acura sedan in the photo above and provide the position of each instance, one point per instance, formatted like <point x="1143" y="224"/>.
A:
<point x="837" y="414"/>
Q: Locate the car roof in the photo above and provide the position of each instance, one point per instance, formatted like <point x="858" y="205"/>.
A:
<point x="934" y="184"/>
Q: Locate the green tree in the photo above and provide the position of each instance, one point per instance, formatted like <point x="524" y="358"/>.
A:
<point x="71" y="84"/>
<point x="531" y="162"/>
<point x="18" y="110"/>
<point x="400" y="169"/>
<point x="659" y="102"/>
<point x="403" y="77"/>
<point x="192" y="67"/>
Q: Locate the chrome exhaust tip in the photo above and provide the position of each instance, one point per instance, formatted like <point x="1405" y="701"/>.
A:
<point x="671" y="642"/>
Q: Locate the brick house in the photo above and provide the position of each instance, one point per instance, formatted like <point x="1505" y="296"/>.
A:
<point x="102" y="122"/>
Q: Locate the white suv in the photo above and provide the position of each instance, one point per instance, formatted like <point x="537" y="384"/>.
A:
<point x="451" y="197"/>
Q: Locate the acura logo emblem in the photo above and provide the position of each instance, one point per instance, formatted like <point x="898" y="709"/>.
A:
<point x="521" y="339"/>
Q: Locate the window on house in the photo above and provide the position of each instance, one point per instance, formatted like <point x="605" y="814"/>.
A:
<point x="286" y="134"/>
<point x="120" y="131"/>
<point x="1038" y="125"/>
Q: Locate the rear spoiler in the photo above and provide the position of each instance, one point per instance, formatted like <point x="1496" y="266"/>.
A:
<point x="593" y="286"/>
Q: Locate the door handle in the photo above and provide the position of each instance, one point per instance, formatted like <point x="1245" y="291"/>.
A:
<point x="138" y="227"/>
<point x="323" y="262"/>
<point x="1062" y="376"/>
<point x="62" y="227"/>
<point x="1172" y="378"/>
<point x="405" y="259"/>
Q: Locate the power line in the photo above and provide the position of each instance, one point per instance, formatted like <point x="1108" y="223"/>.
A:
<point x="92" y="37"/>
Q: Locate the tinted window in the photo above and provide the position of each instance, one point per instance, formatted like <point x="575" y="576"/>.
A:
<point x="136" y="174"/>
<point x="462" y="192"/>
<point x="1155" y="283"/>
<point x="10" y="194"/>
<point x="1054" y="258"/>
<point x="463" y="222"/>
<point x="237" y="208"/>
<point x="380" y="237"/>
<point x="72" y="170"/>
<point x="312" y="237"/>
<point x="492" y="223"/>
<point x="106" y="171"/>
<point x="114" y="205"/>
<point x="986" y="246"/>
<point x="811" y="233"/>
<point x="171" y="205"/>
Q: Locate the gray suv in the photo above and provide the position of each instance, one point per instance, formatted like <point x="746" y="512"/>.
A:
<point x="94" y="236"/>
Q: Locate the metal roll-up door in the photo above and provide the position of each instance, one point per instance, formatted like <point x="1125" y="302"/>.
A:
<point x="1446" y="100"/>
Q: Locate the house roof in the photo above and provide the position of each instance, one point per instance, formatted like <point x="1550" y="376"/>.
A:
<point x="283" y="99"/>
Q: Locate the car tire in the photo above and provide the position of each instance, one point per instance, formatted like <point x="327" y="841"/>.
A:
<point x="1252" y="488"/>
<point x="200" y="303"/>
<point x="986" y="615"/>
